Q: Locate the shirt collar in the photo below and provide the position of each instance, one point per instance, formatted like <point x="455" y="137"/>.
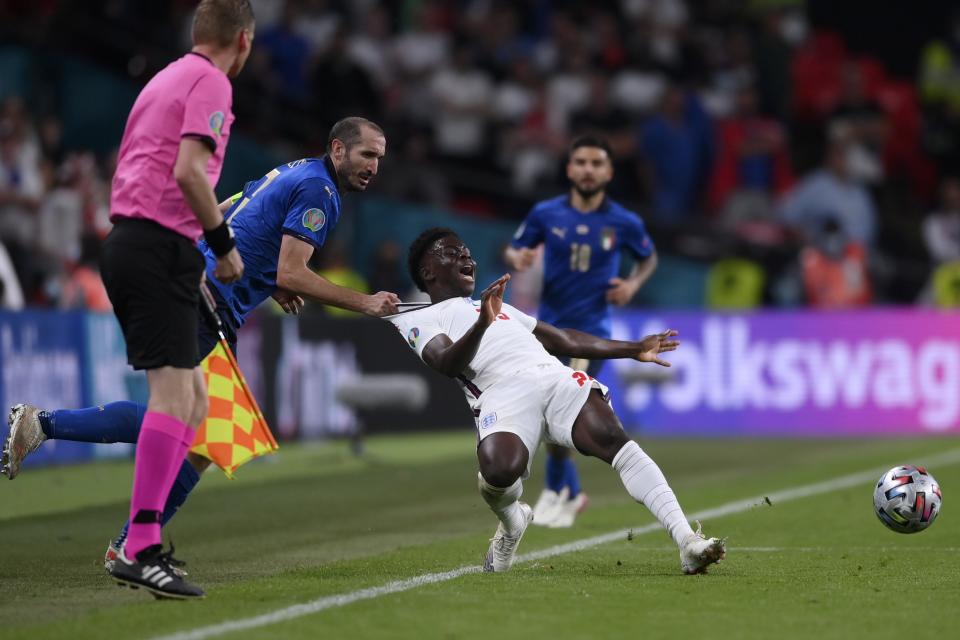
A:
<point x="197" y="53"/>
<point x="604" y="204"/>
<point x="328" y="163"/>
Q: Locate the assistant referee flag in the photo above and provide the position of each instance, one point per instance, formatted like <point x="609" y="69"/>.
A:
<point x="235" y="430"/>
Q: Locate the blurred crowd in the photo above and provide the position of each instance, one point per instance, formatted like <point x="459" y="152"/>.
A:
<point x="801" y="171"/>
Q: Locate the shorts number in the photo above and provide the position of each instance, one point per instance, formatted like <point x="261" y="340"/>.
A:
<point x="581" y="377"/>
<point x="579" y="257"/>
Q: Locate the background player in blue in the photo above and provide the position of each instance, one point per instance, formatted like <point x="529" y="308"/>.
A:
<point x="583" y="234"/>
<point x="278" y="221"/>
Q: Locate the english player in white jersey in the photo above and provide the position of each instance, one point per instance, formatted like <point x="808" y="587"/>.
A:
<point x="521" y="394"/>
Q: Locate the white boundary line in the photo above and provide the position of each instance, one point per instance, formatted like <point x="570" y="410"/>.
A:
<point x="397" y="586"/>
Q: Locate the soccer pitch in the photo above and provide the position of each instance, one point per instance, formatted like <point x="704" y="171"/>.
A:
<point x="315" y="522"/>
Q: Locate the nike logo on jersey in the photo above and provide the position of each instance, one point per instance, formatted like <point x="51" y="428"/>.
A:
<point x="557" y="231"/>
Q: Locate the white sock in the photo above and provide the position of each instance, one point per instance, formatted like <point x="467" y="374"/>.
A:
<point x="645" y="484"/>
<point x="503" y="502"/>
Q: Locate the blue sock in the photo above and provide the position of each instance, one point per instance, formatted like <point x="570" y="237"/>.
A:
<point x="571" y="478"/>
<point x="114" y="422"/>
<point x="186" y="480"/>
<point x="555" y="473"/>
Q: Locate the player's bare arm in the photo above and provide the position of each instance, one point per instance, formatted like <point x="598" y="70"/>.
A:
<point x="577" y="344"/>
<point x="190" y="172"/>
<point x="451" y="358"/>
<point x="520" y="259"/>
<point x="622" y="290"/>
<point x="295" y="277"/>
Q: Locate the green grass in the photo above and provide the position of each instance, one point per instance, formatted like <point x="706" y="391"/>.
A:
<point x="316" y="521"/>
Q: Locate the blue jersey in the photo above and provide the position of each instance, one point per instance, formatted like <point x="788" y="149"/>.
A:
<point x="300" y="199"/>
<point x="581" y="256"/>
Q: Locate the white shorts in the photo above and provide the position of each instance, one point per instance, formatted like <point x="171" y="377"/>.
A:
<point x="539" y="403"/>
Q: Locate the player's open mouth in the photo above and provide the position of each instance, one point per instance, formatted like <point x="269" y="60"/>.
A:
<point x="467" y="272"/>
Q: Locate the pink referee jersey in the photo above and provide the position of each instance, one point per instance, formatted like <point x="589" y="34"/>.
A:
<point x="190" y="97"/>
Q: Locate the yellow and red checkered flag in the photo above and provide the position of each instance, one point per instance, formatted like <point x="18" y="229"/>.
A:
<point x="235" y="430"/>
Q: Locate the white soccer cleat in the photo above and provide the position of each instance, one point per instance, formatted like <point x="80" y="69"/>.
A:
<point x="546" y="506"/>
<point x="698" y="552"/>
<point x="24" y="438"/>
<point x="503" y="547"/>
<point x="568" y="510"/>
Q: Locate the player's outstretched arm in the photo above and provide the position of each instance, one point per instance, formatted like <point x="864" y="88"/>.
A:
<point x="577" y="344"/>
<point x="451" y="358"/>
<point x="294" y="276"/>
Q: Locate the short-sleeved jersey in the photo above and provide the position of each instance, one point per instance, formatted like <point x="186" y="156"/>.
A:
<point x="508" y="346"/>
<point x="190" y="97"/>
<point x="300" y="199"/>
<point x="581" y="255"/>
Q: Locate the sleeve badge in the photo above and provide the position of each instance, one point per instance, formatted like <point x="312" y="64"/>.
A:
<point x="313" y="219"/>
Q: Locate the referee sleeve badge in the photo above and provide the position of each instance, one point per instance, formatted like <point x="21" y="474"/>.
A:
<point x="216" y="122"/>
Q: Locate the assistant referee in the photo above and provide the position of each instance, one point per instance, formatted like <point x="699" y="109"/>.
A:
<point x="161" y="203"/>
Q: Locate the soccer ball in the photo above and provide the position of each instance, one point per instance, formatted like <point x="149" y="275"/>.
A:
<point x="907" y="499"/>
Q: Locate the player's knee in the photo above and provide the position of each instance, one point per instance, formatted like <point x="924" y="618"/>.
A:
<point x="200" y="404"/>
<point x="503" y="459"/>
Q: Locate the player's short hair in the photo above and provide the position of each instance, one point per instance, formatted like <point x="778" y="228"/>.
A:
<point x="218" y="22"/>
<point x="350" y="130"/>
<point x="419" y="246"/>
<point x="595" y="142"/>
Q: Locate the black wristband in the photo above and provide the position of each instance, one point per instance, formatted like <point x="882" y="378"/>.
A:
<point x="220" y="239"/>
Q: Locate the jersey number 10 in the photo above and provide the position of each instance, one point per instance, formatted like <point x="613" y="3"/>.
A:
<point x="579" y="257"/>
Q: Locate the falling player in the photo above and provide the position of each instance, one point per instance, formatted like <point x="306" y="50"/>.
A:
<point x="583" y="234"/>
<point x="520" y="394"/>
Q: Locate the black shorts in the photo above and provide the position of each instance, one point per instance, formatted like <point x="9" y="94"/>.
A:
<point x="152" y="275"/>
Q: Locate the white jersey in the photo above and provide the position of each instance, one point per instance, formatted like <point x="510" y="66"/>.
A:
<point x="507" y="347"/>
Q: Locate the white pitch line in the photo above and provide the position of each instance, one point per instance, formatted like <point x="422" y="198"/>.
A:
<point x="398" y="586"/>
<point x="807" y="549"/>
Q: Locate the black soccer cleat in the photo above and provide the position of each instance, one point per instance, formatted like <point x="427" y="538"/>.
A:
<point x="155" y="571"/>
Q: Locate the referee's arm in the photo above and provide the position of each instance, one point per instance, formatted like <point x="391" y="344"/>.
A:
<point x="190" y="172"/>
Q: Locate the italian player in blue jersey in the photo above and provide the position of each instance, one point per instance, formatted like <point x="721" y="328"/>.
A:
<point x="583" y="234"/>
<point x="278" y="222"/>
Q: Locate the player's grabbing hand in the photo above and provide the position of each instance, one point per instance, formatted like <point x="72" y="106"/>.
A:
<point x="290" y="302"/>
<point x="382" y="303"/>
<point x="491" y="300"/>
<point x="651" y="346"/>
